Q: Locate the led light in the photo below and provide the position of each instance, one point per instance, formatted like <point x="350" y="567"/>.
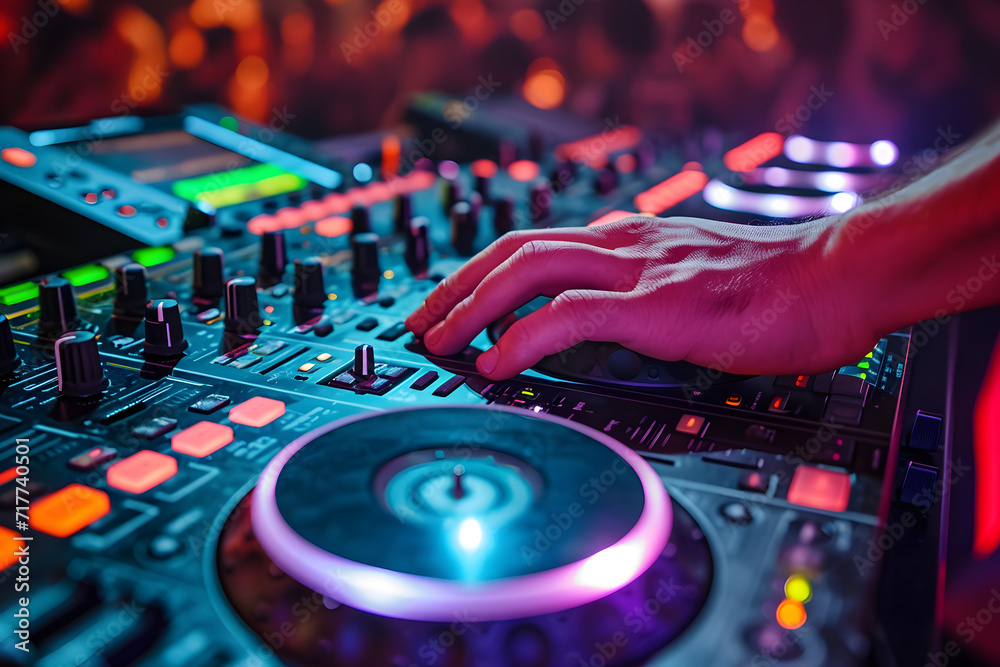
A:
<point x="483" y="168"/>
<point x="142" y="471"/>
<point x="791" y="615"/>
<point x="611" y="568"/>
<point x="68" y="510"/>
<point x="820" y="488"/>
<point x="670" y="192"/>
<point x="363" y="172"/>
<point x="153" y="256"/>
<point x="843" y="202"/>
<point x="243" y="184"/>
<point x="613" y="216"/>
<point x="333" y="226"/>
<point x="797" y="588"/>
<point x="523" y="170"/>
<point x="230" y="123"/>
<point x="18" y="157"/>
<point x="690" y="424"/>
<point x="9" y="546"/>
<point x="884" y="153"/>
<point x="202" y="439"/>
<point x="389" y="274"/>
<point x="470" y="534"/>
<point x="258" y="411"/>
<point x="448" y="169"/>
<point x="19" y="293"/>
<point x="86" y="274"/>
<point x="324" y="356"/>
<point x="755" y="152"/>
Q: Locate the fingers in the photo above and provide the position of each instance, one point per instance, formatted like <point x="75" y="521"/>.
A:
<point x="459" y="285"/>
<point x="545" y="268"/>
<point x="568" y="319"/>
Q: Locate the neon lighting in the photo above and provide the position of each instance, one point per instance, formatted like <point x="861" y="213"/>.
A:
<point x="798" y="588"/>
<point x="754" y="153"/>
<point x="881" y="153"/>
<point x="985" y="440"/>
<point x="594" y="150"/>
<point x="613" y="216"/>
<point x="523" y="170"/>
<point x="483" y="168"/>
<point x="238" y="185"/>
<point x="723" y="196"/>
<point x="791" y="615"/>
<point x="362" y="172"/>
<point x="670" y="192"/>
<point x="86" y="274"/>
<point x="820" y="488"/>
<point x="153" y="256"/>
<point x="230" y="123"/>
<point x="244" y="145"/>
<point x="470" y="534"/>
<point x="18" y="157"/>
<point x="19" y="293"/>
<point x="401" y="595"/>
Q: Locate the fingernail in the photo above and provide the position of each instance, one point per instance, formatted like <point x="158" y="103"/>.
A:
<point x="487" y="361"/>
<point x="433" y="336"/>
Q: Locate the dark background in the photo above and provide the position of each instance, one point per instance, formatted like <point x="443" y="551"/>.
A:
<point x="896" y="69"/>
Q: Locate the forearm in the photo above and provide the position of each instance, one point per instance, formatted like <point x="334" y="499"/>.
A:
<point x="930" y="248"/>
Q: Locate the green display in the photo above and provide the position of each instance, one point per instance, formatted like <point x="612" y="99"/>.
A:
<point x="236" y="186"/>
<point x="86" y="274"/>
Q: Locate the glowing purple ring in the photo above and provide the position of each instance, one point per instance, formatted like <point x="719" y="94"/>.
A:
<point x="408" y="596"/>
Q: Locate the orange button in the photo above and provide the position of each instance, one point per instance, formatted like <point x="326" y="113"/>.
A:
<point x="258" y="411"/>
<point x="790" y="614"/>
<point x="18" y="157"/>
<point x="690" y="424"/>
<point x="8" y="547"/>
<point x="69" y="509"/>
<point x="142" y="471"/>
<point x="7" y="475"/>
<point x="202" y="439"/>
<point x="523" y="170"/>
<point x="820" y="488"/>
<point x="333" y="226"/>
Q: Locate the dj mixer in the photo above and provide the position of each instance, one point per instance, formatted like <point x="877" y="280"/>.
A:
<point x="219" y="445"/>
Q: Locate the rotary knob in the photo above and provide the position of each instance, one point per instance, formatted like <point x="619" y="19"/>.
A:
<point x="402" y="213"/>
<point x="242" y="312"/>
<point x="57" y="307"/>
<point x="464" y="227"/>
<point x="164" y="331"/>
<point x="365" y="271"/>
<point x="130" y="290"/>
<point x="451" y="193"/>
<point x="361" y="221"/>
<point x="273" y="258"/>
<point x="8" y="352"/>
<point x="207" y="282"/>
<point x="78" y="365"/>
<point x="364" y="362"/>
<point x="309" y="290"/>
<point x="418" y="246"/>
<point x="503" y="216"/>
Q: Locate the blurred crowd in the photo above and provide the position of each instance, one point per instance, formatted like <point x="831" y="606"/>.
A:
<point x="850" y="69"/>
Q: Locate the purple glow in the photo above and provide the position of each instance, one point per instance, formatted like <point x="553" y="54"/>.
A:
<point x="399" y="595"/>
<point x="448" y="169"/>
<point x="881" y="153"/>
<point x="723" y="196"/>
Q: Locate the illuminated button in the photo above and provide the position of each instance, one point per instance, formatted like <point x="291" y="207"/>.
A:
<point x="126" y="211"/>
<point x="307" y="367"/>
<point x="258" y="411"/>
<point x="142" y="471"/>
<point x="778" y="403"/>
<point x="202" y="439"/>
<point x="92" y="458"/>
<point x="734" y="400"/>
<point x="801" y="381"/>
<point x="18" y="157"/>
<point x="523" y="170"/>
<point x="819" y="488"/>
<point x="108" y="193"/>
<point x="333" y="226"/>
<point x="68" y="510"/>
<point x="791" y="615"/>
<point x="9" y="547"/>
<point x="690" y="424"/>
<point x="325" y="356"/>
<point x="797" y="588"/>
<point x="90" y="197"/>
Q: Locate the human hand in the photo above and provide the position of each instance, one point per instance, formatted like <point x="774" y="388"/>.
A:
<point x="737" y="298"/>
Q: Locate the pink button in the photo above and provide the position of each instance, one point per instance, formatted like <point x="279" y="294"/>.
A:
<point x="202" y="439"/>
<point x="258" y="411"/>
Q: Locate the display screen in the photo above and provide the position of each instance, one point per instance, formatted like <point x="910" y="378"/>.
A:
<point x="191" y="168"/>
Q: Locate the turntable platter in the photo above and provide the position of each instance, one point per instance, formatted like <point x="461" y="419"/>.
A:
<point x="491" y="508"/>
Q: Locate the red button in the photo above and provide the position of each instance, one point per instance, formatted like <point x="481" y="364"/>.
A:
<point x="258" y="411"/>
<point x="68" y="510"/>
<point x="690" y="424"/>
<point x="142" y="471"/>
<point x="202" y="439"/>
<point x="820" y="488"/>
<point x="18" y="157"/>
<point x="8" y="547"/>
<point x="126" y="211"/>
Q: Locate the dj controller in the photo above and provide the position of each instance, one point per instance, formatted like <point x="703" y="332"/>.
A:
<point x="219" y="444"/>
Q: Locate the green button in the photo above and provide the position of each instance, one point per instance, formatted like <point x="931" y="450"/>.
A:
<point x="153" y="256"/>
<point x="86" y="274"/>
<point x="14" y="294"/>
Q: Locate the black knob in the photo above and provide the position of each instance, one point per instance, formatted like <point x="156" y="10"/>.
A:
<point x="309" y="290"/>
<point x="365" y="271"/>
<point x="503" y="216"/>
<point x="562" y="176"/>
<point x="540" y="201"/>
<point x="130" y="290"/>
<point x="536" y="145"/>
<point x="361" y="222"/>
<point x="164" y="331"/>
<point x="606" y="181"/>
<point x="483" y="187"/>
<point x="8" y="352"/>
<point x="57" y="307"/>
<point x="418" y="246"/>
<point x="463" y="228"/>
<point x="273" y="257"/>
<point x="208" y="282"/>
<point x="242" y="312"/>
<point x="402" y="213"/>
<point x="451" y="193"/>
<point x="78" y="365"/>
<point x="364" y="362"/>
